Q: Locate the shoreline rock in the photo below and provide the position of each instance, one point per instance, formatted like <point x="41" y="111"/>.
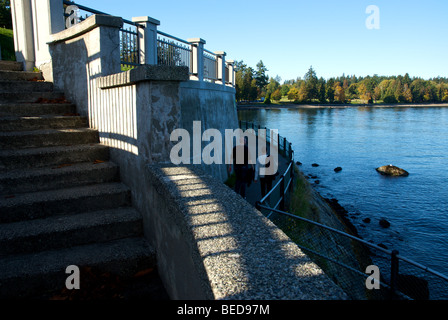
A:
<point x="393" y="171"/>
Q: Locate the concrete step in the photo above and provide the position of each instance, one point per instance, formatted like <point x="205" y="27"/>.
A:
<point x="52" y="156"/>
<point x="47" y="137"/>
<point x="42" y="204"/>
<point x="32" y="97"/>
<point x="57" y="177"/>
<point x="14" y="123"/>
<point x="71" y="230"/>
<point x="20" y="75"/>
<point x="36" y="109"/>
<point x="34" y="274"/>
<point x="11" y="65"/>
<point x="25" y="86"/>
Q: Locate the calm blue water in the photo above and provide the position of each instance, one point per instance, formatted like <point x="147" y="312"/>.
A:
<point x="360" y="139"/>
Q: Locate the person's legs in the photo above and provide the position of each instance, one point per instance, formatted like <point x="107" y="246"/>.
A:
<point x="263" y="186"/>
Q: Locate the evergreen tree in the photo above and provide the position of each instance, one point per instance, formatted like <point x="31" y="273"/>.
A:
<point x="261" y="77"/>
<point x="329" y="91"/>
<point x="321" y="91"/>
<point x="311" y="83"/>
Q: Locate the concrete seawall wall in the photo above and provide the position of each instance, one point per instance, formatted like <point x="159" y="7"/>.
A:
<point x="214" y="106"/>
<point x="212" y="244"/>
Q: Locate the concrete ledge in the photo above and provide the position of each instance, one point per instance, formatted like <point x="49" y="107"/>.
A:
<point x="208" y="86"/>
<point x="85" y="26"/>
<point x="212" y="244"/>
<point x="143" y="73"/>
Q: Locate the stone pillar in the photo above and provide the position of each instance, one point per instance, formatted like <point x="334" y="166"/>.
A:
<point x="197" y="61"/>
<point x="48" y="19"/>
<point x="23" y="32"/>
<point x="231" y="80"/>
<point x="221" y="62"/>
<point x="147" y="34"/>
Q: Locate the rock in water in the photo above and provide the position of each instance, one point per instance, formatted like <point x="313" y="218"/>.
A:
<point x="384" y="223"/>
<point x="391" y="170"/>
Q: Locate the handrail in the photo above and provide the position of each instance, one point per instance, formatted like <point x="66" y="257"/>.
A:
<point x="94" y="11"/>
<point x="393" y="254"/>
<point x="172" y="37"/>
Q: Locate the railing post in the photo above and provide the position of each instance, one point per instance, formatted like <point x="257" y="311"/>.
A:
<point x="147" y="37"/>
<point x="197" y="53"/>
<point x="282" y="192"/>
<point x="231" y="80"/>
<point x="221" y="63"/>
<point x="393" y="273"/>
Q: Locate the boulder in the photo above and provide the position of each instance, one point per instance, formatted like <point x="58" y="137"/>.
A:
<point x="384" y="223"/>
<point x="337" y="169"/>
<point x="391" y="170"/>
<point x="315" y="165"/>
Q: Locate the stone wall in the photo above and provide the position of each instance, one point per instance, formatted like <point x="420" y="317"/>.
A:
<point x="212" y="244"/>
<point x="214" y="106"/>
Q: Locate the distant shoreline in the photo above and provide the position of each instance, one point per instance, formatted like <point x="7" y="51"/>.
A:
<point x="336" y="106"/>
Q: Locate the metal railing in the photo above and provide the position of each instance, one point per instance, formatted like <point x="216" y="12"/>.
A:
<point x="276" y="197"/>
<point x="173" y="51"/>
<point x="347" y="259"/>
<point x="129" y="42"/>
<point x="210" y="66"/>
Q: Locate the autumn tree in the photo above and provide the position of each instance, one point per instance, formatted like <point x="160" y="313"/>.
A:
<point x="276" y="95"/>
<point x="339" y="92"/>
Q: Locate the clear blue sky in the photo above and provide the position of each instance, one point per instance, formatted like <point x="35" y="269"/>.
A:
<point x="291" y="35"/>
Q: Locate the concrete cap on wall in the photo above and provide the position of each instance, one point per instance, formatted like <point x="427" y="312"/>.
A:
<point x="90" y="23"/>
<point x="146" y="19"/>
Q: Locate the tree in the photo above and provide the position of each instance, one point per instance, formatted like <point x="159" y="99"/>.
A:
<point x="293" y="94"/>
<point x="272" y="86"/>
<point x="321" y="90"/>
<point x="399" y="95"/>
<point x="339" y="93"/>
<point x="329" y="92"/>
<point x="407" y="94"/>
<point x="260" y="75"/>
<point x="304" y="94"/>
<point x="276" y="95"/>
<point x="311" y="83"/>
<point x="284" y="89"/>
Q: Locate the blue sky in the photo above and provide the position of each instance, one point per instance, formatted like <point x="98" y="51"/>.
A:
<point x="291" y="35"/>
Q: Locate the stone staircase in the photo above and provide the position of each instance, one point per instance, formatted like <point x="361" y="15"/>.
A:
<point x="61" y="201"/>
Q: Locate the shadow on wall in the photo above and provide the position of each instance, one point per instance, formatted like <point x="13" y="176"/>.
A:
<point x="214" y="245"/>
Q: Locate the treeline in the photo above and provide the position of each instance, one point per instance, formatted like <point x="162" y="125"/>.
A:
<point x="253" y="84"/>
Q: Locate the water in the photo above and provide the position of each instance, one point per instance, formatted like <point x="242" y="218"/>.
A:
<point x="360" y="139"/>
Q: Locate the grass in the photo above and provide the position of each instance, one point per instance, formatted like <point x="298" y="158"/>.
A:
<point x="7" y="44"/>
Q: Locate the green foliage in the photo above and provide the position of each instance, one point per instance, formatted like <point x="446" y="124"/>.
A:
<point x="260" y="76"/>
<point x="267" y="99"/>
<point x="7" y="44"/>
<point x="5" y="14"/>
<point x="252" y="84"/>
<point x="276" y="95"/>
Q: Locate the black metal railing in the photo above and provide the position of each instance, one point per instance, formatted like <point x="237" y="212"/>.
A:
<point x="129" y="38"/>
<point x="347" y="259"/>
<point x="173" y="51"/>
